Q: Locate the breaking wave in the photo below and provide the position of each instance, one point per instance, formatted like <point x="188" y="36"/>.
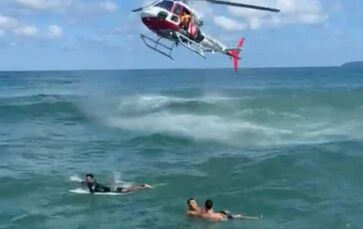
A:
<point x="240" y="121"/>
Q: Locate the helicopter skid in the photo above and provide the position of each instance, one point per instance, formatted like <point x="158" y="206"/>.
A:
<point x="176" y="38"/>
<point x="191" y="45"/>
<point x="157" y="46"/>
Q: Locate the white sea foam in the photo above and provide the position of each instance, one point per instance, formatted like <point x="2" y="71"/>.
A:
<point x="75" y="178"/>
<point x="243" y="129"/>
<point x="198" y="127"/>
<point x="144" y="103"/>
<point x="118" y="181"/>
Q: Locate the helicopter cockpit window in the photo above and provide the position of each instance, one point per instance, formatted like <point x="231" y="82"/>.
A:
<point x="178" y="9"/>
<point x="168" y="5"/>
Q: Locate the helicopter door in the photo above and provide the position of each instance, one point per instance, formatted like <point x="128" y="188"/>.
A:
<point x="184" y="14"/>
<point x="177" y="10"/>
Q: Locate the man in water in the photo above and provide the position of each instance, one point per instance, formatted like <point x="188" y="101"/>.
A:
<point x="94" y="186"/>
<point x="209" y="214"/>
<point x="193" y="208"/>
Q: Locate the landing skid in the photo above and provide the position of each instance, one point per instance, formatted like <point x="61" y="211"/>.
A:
<point x="157" y="46"/>
<point x="191" y="45"/>
<point x="167" y="50"/>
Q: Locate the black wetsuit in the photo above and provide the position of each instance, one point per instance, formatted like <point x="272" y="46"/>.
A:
<point x="96" y="187"/>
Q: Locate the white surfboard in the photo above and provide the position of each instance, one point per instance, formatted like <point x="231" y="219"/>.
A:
<point x="86" y="192"/>
<point x="83" y="191"/>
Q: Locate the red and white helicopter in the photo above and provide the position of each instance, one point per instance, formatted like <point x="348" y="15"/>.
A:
<point x="177" y="22"/>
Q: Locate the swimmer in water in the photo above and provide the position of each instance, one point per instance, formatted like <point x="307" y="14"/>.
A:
<point x="193" y="208"/>
<point x="209" y="214"/>
<point x="94" y="186"/>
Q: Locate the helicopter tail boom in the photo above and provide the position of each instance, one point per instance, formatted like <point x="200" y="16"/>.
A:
<point x="235" y="54"/>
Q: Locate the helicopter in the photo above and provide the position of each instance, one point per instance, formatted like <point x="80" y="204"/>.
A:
<point x="178" y="23"/>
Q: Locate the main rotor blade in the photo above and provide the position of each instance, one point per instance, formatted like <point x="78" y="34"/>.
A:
<point x="138" y="9"/>
<point x="219" y="2"/>
<point x="141" y="8"/>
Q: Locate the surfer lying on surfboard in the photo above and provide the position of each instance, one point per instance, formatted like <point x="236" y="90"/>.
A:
<point x="95" y="187"/>
<point x="208" y="213"/>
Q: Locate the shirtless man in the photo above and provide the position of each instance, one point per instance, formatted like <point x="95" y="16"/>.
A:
<point x="209" y="214"/>
<point x="193" y="209"/>
<point x="185" y="20"/>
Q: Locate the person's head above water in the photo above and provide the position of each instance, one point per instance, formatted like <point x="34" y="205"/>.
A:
<point x="192" y="204"/>
<point x="208" y="204"/>
<point x="90" y="178"/>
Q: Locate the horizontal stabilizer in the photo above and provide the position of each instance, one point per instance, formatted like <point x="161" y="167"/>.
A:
<point x="235" y="54"/>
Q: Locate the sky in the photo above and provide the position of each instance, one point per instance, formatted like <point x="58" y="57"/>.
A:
<point x="104" y="34"/>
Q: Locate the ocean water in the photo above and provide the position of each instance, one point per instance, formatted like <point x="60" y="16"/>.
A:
<point x="285" y="144"/>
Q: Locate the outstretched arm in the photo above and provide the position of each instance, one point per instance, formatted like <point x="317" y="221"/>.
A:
<point x="193" y="213"/>
<point x="248" y="217"/>
<point x="230" y="215"/>
<point x="239" y="216"/>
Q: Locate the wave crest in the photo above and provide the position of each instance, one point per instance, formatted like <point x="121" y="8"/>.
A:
<point x="225" y="120"/>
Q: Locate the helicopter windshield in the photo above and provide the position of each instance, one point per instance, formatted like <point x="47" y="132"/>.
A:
<point x="168" y="5"/>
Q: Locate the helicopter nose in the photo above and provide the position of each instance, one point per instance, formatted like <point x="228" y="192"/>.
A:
<point x="157" y="19"/>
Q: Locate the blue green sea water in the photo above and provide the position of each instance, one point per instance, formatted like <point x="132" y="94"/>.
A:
<point x="286" y="144"/>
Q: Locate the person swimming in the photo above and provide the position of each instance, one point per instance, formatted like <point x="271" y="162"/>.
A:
<point x="208" y="213"/>
<point x="93" y="186"/>
<point x="192" y="208"/>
